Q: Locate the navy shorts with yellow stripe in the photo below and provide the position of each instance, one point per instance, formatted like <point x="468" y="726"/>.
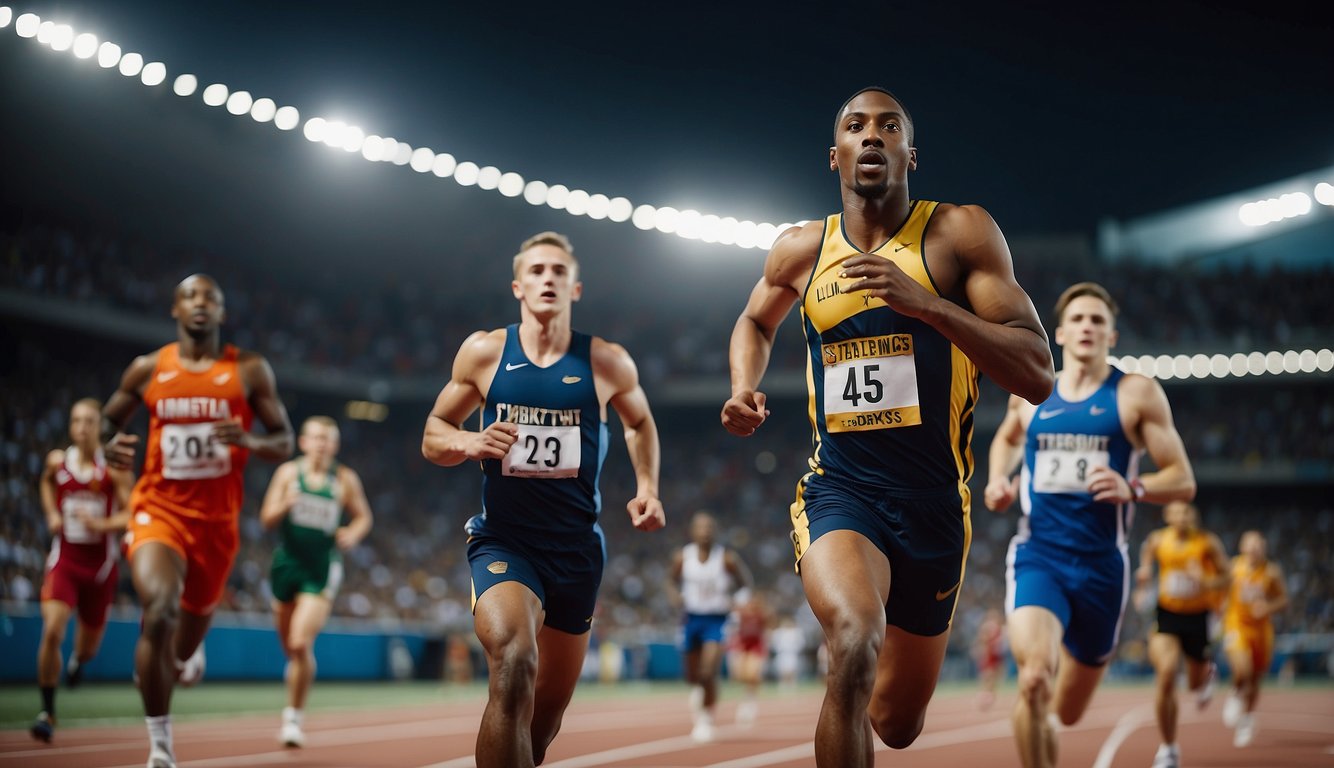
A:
<point x="564" y="578"/>
<point x="924" y="535"/>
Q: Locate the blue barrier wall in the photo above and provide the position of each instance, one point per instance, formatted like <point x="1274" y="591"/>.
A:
<point x="234" y="651"/>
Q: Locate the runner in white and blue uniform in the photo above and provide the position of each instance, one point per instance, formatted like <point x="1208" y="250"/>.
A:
<point x="1068" y="568"/>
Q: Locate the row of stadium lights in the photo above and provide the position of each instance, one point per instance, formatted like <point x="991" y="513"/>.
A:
<point x="685" y="223"/>
<point x="1289" y="206"/>
<point x="1220" y="366"/>
<point x="337" y="134"/>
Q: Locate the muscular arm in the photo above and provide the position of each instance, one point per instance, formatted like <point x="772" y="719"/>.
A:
<point x="1276" y="599"/>
<point x="278" y="441"/>
<point x="1174" y="480"/>
<point x="673" y="583"/>
<point x="47" y="486"/>
<point x="444" y="440"/>
<point x="119" y="447"/>
<point x="791" y="258"/>
<point x="1007" y="451"/>
<point x="1146" y="560"/>
<point x="280" y="496"/>
<point x="615" y="370"/>
<point x="358" y="510"/>
<point x="120" y="518"/>
<point x="1222" y="566"/>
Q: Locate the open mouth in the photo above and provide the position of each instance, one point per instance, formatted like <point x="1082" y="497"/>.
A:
<point x="871" y="161"/>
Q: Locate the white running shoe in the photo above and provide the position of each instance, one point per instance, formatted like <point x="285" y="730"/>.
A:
<point x="160" y="757"/>
<point x="703" y="730"/>
<point x="1167" y="756"/>
<point x="1245" y="733"/>
<point x="1233" y="708"/>
<point x="292" y="736"/>
<point x="191" y="671"/>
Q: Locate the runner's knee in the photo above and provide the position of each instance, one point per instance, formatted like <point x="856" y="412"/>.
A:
<point x="896" y="728"/>
<point x="1035" y="682"/>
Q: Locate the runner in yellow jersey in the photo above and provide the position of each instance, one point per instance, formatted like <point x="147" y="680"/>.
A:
<point x="1191" y="565"/>
<point x="1256" y="594"/>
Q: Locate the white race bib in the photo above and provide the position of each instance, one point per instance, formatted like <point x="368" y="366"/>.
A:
<point x="543" y="452"/>
<point x="1066" y="471"/>
<point x="1182" y="585"/>
<point x="76" y="531"/>
<point x="870" y="383"/>
<point x="192" y="452"/>
<point x="316" y="512"/>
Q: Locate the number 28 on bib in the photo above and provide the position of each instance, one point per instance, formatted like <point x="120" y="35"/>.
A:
<point x="870" y="383"/>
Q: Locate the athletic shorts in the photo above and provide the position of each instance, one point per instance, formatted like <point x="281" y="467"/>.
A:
<point x="1192" y="629"/>
<point x="208" y="547"/>
<point x="925" y="537"/>
<point x="289" y="577"/>
<point x="1254" y="640"/>
<point x="701" y="628"/>
<point x="89" y="588"/>
<point x="564" y="578"/>
<point x="753" y="646"/>
<point x="1086" y="590"/>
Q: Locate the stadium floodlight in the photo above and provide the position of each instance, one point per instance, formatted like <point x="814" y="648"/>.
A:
<point x="1219" y="366"/>
<point x="1292" y="361"/>
<point x="1324" y="193"/>
<point x="444" y="165"/>
<point x="85" y="45"/>
<point x="372" y="147"/>
<point x="597" y="206"/>
<point x="765" y="234"/>
<point x="1274" y="362"/>
<point x="44" y="30"/>
<point x="557" y="194"/>
<point x="108" y="55"/>
<point x="1307" y="360"/>
<point x="155" y="72"/>
<point x="26" y="25"/>
<point x="709" y="227"/>
<point x="511" y="184"/>
<point x="239" y="102"/>
<point x="402" y="154"/>
<point x="131" y="64"/>
<point x="215" y="95"/>
<point x="62" y="37"/>
<point x="6" y="15"/>
<point x="644" y="217"/>
<point x="314" y="129"/>
<point x="333" y="133"/>
<point x="665" y="219"/>
<point x="619" y="209"/>
<point x="746" y="235"/>
<point x="576" y="204"/>
<point x="687" y="224"/>
<point x="422" y="159"/>
<point x="286" y="118"/>
<point x="353" y="138"/>
<point x="1324" y="360"/>
<point x="535" y="192"/>
<point x="466" y="174"/>
<point x="263" y="110"/>
<point x="488" y="177"/>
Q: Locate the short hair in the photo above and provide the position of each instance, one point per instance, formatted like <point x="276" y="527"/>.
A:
<point x="838" y="116"/>
<point x="326" y="421"/>
<point x="199" y="276"/>
<point x="1084" y="289"/>
<point x="546" y="238"/>
<point x="91" y="402"/>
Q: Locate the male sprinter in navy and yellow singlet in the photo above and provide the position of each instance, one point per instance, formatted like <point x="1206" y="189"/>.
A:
<point x="1068" y="572"/>
<point x="903" y="302"/>
<point x="537" y="550"/>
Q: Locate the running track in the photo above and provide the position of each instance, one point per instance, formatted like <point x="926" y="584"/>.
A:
<point x="1296" y="729"/>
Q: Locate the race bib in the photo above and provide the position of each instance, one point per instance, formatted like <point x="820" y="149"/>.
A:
<point x="543" y="452"/>
<point x="1066" y="471"/>
<point x="870" y="383"/>
<point x="192" y="452"/>
<point x="1181" y="585"/>
<point x="316" y="512"/>
<point x="76" y="531"/>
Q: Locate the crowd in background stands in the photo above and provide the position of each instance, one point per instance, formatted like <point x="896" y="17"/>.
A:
<point x="413" y="568"/>
<point x="405" y="326"/>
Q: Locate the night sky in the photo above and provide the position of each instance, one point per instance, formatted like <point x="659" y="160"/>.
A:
<point x="1051" y="115"/>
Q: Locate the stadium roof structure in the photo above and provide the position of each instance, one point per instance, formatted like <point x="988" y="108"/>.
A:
<point x="1291" y="221"/>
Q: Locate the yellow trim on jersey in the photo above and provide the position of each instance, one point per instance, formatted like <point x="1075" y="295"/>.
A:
<point x="826" y="304"/>
<point x="801" y="525"/>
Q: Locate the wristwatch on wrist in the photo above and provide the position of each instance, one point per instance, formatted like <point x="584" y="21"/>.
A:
<point x="1137" y="489"/>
